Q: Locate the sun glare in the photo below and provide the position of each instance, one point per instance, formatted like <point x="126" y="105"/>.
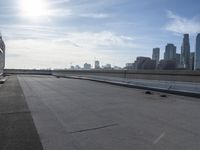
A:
<point x="33" y="9"/>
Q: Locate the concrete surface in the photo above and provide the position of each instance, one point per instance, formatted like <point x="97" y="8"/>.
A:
<point x="17" y="130"/>
<point x="74" y="114"/>
<point x="174" y="87"/>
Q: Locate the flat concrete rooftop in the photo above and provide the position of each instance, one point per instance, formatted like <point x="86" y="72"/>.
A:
<point x="44" y="112"/>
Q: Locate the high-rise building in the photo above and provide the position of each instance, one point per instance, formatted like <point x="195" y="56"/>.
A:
<point x="197" y="53"/>
<point x="170" y="52"/>
<point x="156" y="55"/>
<point x="185" y="52"/>
<point x="97" y="64"/>
<point x="2" y="55"/>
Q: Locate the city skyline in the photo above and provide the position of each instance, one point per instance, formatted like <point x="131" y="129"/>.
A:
<point x="171" y="58"/>
<point x="61" y="32"/>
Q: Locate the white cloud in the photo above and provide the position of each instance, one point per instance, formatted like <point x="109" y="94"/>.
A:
<point x="56" y="50"/>
<point x="60" y="12"/>
<point x="40" y="9"/>
<point x="96" y="39"/>
<point x="96" y="15"/>
<point x="84" y="39"/>
<point x="181" y="25"/>
<point x="48" y="10"/>
<point x="59" y="1"/>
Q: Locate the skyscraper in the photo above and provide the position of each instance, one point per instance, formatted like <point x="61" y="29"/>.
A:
<point x="197" y="53"/>
<point x="185" y="52"/>
<point x="170" y="52"/>
<point x="156" y="55"/>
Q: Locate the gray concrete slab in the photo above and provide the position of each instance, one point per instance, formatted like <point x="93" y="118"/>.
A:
<point x="84" y="115"/>
<point x="181" y="88"/>
<point x="17" y="130"/>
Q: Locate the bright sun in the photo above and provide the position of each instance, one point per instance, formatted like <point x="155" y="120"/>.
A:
<point x="34" y="9"/>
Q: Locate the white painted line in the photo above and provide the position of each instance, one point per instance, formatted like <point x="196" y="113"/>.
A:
<point x="159" y="138"/>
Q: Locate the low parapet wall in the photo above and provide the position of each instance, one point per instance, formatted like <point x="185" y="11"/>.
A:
<point x="166" y="75"/>
<point x="27" y="71"/>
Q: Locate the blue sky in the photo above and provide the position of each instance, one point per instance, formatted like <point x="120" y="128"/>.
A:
<point x="60" y="33"/>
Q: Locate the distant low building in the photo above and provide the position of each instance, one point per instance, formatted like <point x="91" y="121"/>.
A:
<point x="77" y="67"/>
<point x="72" y="67"/>
<point x="167" y="65"/>
<point x="149" y="65"/>
<point x="140" y="61"/>
<point x="107" y="66"/>
<point x="145" y="63"/>
<point x="87" y="66"/>
<point x="117" y="68"/>
<point x="130" y="66"/>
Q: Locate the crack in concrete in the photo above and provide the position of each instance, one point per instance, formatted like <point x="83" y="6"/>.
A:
<point x="14" y="112"/>
<point x="92" y="129"/>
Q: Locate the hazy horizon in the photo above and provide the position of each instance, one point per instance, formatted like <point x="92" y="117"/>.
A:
<point x="61" y="33"/>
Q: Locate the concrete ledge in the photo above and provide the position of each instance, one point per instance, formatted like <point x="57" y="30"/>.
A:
<point x="164" y="75"/>
<point x="27" y="71"/>
<point x="134" y="85"/>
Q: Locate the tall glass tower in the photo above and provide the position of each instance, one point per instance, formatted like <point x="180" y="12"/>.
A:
<point x="185" y="52"/>
<point x="170" y="52"/>
<point x="197" y="53"/>
<point x="156" y="55"/>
